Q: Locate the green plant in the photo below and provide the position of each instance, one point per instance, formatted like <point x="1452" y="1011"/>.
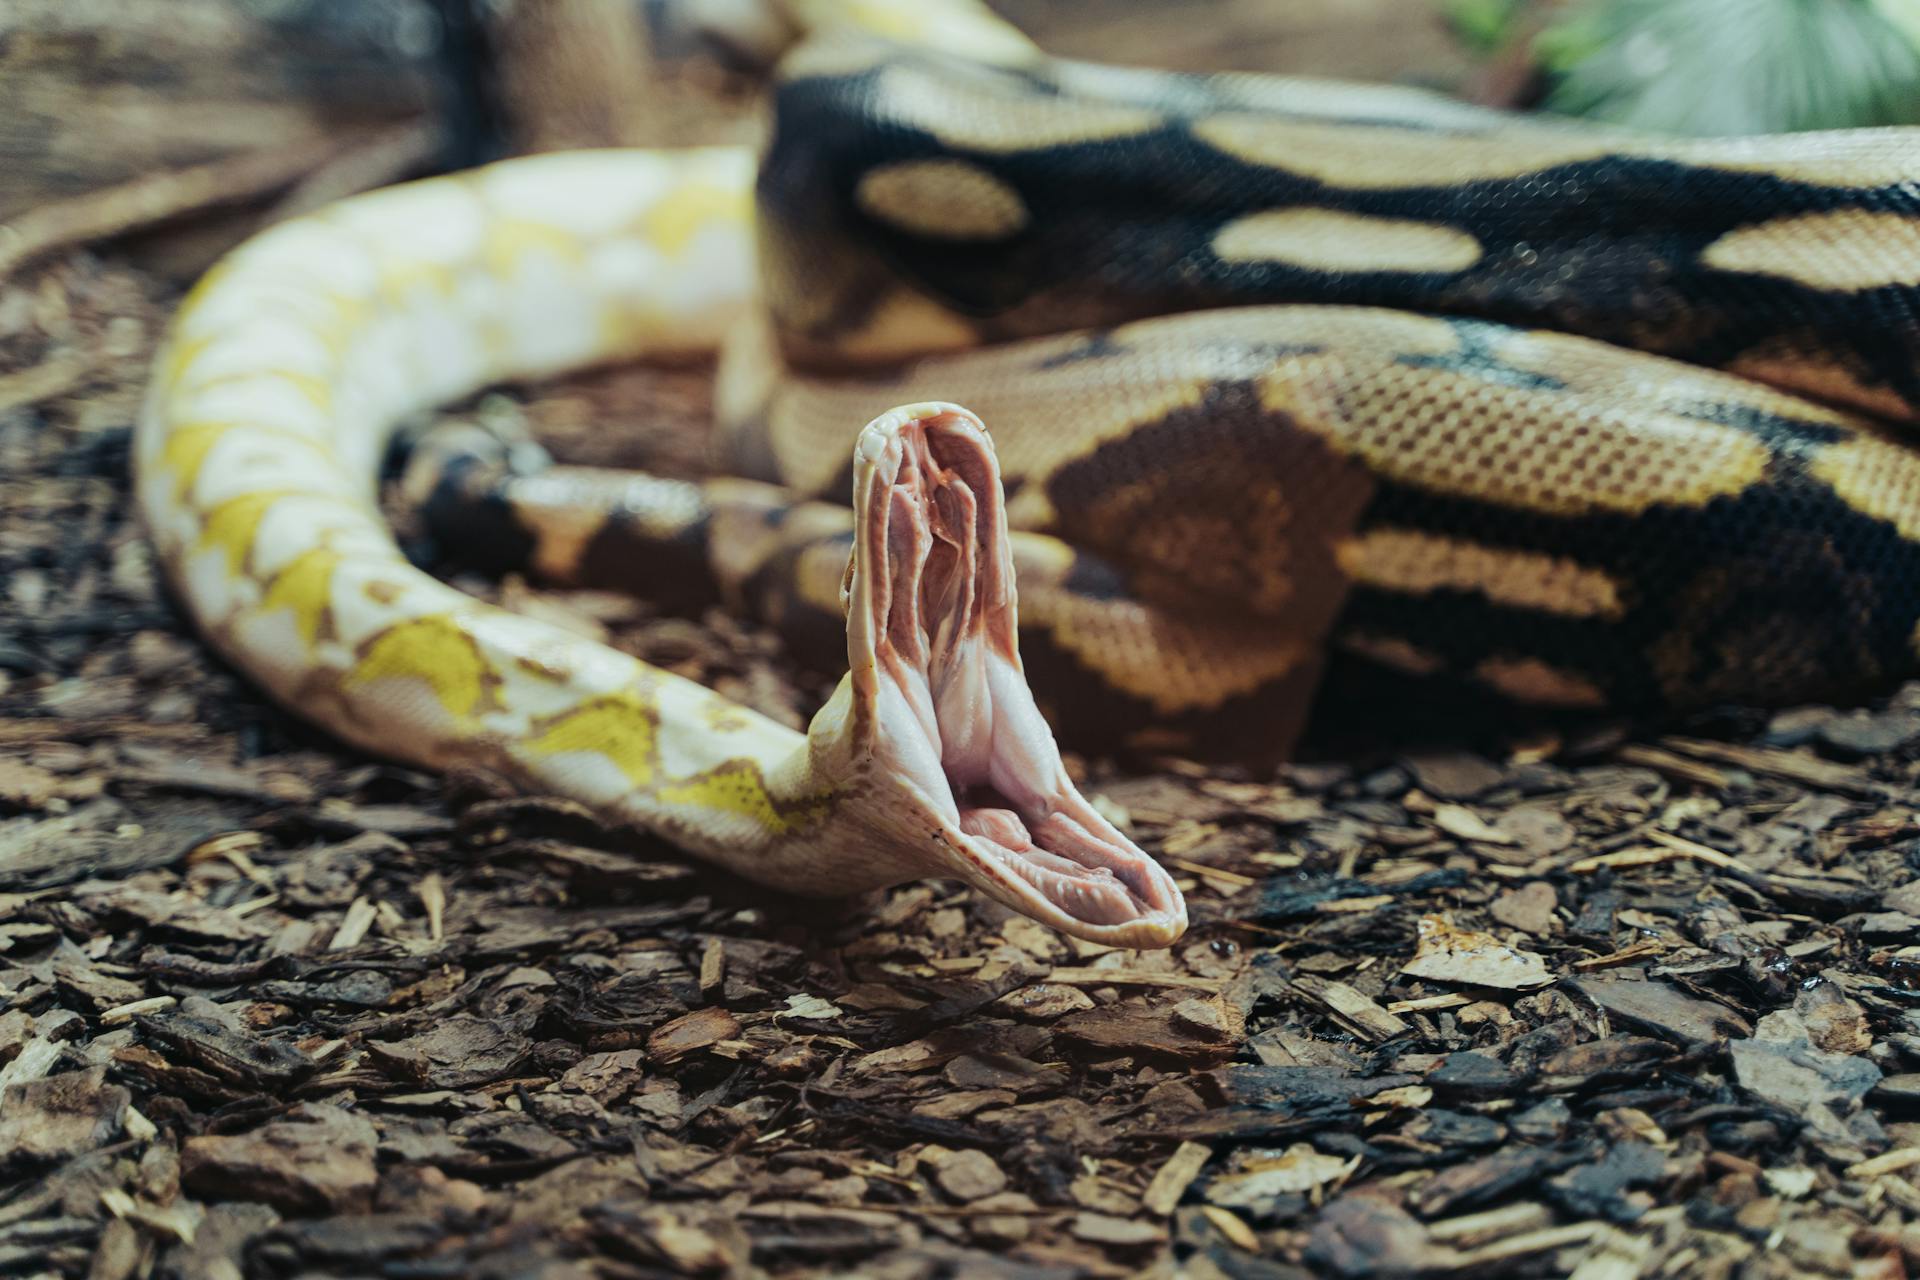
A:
<point x="1736" y="66"/>
<point x="1711" y="66"/>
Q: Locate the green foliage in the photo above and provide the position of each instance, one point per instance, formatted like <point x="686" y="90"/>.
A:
<point x="1736" y="66"/>
<point x="1484" y="25"/>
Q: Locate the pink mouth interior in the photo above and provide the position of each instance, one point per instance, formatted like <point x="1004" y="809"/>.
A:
<point x="957" y="718"/>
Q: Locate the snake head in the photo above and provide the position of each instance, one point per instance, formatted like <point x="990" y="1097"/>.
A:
<point x="951" y="756"/>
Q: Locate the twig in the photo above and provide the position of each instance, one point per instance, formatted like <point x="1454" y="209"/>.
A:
<point x="1794" y="767"/>
<point x="156" y="198"/>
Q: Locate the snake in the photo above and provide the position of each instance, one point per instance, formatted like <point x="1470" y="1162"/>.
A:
<point x="1288" y="380"/>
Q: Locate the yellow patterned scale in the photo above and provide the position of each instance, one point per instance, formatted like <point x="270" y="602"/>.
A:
<point x="256" y="457"/>
<point x="1302" y="397"/>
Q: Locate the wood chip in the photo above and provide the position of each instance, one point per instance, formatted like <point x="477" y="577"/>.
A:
<point x="1463" y="823"/>
<point x="1100" y="1228"/>
<point x="1171" y="1180"/>
<point x="1233" y="1227"/>
<point x="1888" y="1162"/>
<point x="1448" y="953"/>
<point x="1357" y="1012"/>
<point x="1430" y="1004"/>
<point x="1791" y="765"/>
<point x="1674" y="766"/>
<point x="433" y="897"/>
<point x="317" y="1159"/>
<point x="691" y="1032"/>
<point x="353" y="927"/>
<point x="1525" y="1245"/>
<point x="1257" y="1180"/>
<point x="713" y="969"/>
<point x="1101" y="976"/>
<point x="970" y="1175"/>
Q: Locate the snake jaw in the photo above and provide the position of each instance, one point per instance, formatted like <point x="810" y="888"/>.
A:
<point x="940" y="705"/>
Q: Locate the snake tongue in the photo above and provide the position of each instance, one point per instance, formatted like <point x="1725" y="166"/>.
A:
<point x="955" y="730"/>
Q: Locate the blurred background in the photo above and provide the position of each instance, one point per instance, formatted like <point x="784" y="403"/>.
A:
<point x="118" y="118"/>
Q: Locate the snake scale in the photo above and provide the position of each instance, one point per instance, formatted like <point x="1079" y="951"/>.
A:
<point x="1282" y="374"/>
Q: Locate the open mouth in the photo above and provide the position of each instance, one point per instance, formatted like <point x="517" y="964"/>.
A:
<point x="932" y="612"/>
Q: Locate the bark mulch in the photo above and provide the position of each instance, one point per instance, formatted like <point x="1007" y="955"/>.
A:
<point x="1613" y="1007"/>
<point x="1610" y="1008"/>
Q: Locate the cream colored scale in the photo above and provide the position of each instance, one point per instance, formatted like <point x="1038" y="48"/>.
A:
<point x="256" y="457"/>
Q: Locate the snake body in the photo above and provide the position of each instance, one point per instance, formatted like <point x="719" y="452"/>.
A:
<point x="1271" y="376"/>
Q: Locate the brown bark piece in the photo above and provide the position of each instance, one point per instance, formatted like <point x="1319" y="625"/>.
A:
<point x="57" y="1118"/>
<point x="319" y="1159"/>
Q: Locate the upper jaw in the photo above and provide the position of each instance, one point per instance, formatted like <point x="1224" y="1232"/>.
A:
<point x="945" y="725"/>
